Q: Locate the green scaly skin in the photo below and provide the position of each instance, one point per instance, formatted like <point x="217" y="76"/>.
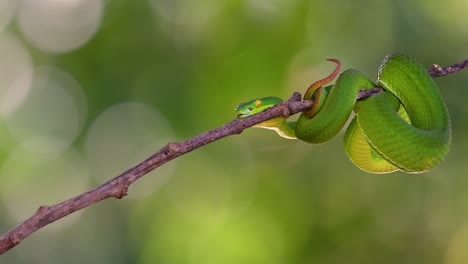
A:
<point x="406" y="128"/>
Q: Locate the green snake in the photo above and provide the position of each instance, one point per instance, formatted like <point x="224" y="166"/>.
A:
<point x="406" y="127"/>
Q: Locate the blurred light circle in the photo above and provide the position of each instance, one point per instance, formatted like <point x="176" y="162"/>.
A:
<point x="15" y="73"/>
<point x="7" y="12"/>
<point x="270" y="8"/>
<point x="52" y="114"/>
<point x="124" y="135"/>
<point x="190" y="13"/>
<point x="59" y="25"/>
<point x="30" y="180"/>
<point x="190" y="18"/>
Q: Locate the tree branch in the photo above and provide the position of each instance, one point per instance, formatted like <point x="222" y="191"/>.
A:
<point x="437" y="71"/>
<point x="118" y="186"/>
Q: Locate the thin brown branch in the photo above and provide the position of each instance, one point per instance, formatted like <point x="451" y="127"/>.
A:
<point x="118" y="186"/>
<point x="437" y="71"/>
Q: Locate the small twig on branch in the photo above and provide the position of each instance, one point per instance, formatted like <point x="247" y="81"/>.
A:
<point x="118" y="186"/>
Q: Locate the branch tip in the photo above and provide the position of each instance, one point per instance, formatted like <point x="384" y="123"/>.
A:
<point x="437" y="68"/>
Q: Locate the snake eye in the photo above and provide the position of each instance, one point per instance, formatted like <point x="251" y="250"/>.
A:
<point x="250" y="108"/>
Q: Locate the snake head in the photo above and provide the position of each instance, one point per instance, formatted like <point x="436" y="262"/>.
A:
<point x="256" y="106"/>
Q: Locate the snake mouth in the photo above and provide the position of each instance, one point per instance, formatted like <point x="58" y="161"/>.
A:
<point x="242" y="115"/>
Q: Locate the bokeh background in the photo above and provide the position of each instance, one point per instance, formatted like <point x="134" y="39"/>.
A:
<point x="90" y="87"/>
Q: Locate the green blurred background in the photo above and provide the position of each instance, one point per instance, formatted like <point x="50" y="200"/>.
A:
<point x="90" y="87"/>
